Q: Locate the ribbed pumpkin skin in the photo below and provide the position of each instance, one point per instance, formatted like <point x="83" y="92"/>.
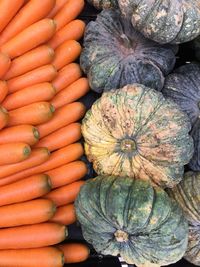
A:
<point x="183" y="87"/>
<point x="164" y="21"/>
<point x="136" y="132"/>
<point x="187" y="195"/>
<point x="115" y="55"/>
<point x="119" y="215"/>
<point x="103" y="4"/>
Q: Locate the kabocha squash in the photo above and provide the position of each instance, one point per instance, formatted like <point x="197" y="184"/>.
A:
<point x="183" y="87"/>
<point x="115" y="55"/>
<point x="103" y="4"/>
<point x="119" y="215"/>
<point x="136" y="132"/>
<point x="187" y="195"/>
<point x="164" y="21"/>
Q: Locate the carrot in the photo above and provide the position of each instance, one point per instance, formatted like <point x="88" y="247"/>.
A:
<point x="68" y="12"/>
<point x="4" y="63"/>
<point x="67" y="75"/>
<point x="74" y="252"/>
<point x="35" y="93"/>
<point x="66" y="53"/>
<point x="35" y="58"/>
<point x="38" y="155"/>
<point x="30" y="13"/>
<point x="21" y="133"/>
<point x="28" y="212"/>
<point x="65" y="194"/>
<point x="36" y="113"/>
<point x="42" y="74"/>
<point x="57" y="158"/>
<point x="32" y="257"/>
<point x="65" y="215"/>
<point x="27" y="189"/>
<point x="14" y="152"/>
<point x="67" y="174"/>
<point x="32" y="236"/>
<point x="4" y="117"/>
<point x="3" y="89"/>
<point x="72" y="31"/>
<point x="62" y="137"/>
<point x="71" y="93"/>
<point x="32" y="36"/>
<point x="59" y="4"/>
<point x="8" y="10"/>
<point x="62" y="117"/>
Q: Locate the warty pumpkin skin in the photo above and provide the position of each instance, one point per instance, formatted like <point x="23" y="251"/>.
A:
<point x="164" y="21"/>
<point x="115" y="55"/>
<point x="136" y="132"/>
<point x="183" y="87"/>
<point x="119" y="215"/>
<point x="103" y="4"/>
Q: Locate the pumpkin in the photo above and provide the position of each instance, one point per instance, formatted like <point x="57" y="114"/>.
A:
<point x="183" y="87"/>
<point x="115" y="55"/>
<point x="197" y="47"/>
<point x="119" y="215"/>
<point x="103" y="4"/>
<point x="136" y="132"/>
<point x="187" y="195"/>
<point x="164" y="21"/>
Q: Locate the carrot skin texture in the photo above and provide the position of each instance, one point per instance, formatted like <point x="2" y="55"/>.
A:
<point x="32" y="257"/>
<point x="65" y="215"/>
<point x="58" y="5"/>
<point x="35" y="58"/>
<point x="3" y="90"/>
<point x="4" y="117"/>
<point x="32" y="36"/>
<point x="5" y="63"/>
<point x="30" y="13"/>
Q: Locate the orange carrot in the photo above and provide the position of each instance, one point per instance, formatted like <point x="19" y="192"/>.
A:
<point x="14" y="152"/>
<point x="72" y="31"/>
<point x="4" y="117"/>
<point x="3" y="90"/>
<point x="66" y="53"/>
<point x="62" y="137"/>
<point x="38" y="156"/>
<point x="67" y="75"/>
<point x="35" y="58"/>
<point x="28" y="212"/>
<point x="59" y="4"/>
<point x="26" y="189"/>
<point x="36" y="113"/>
<point x="71" y="93"/>
<point x="67" y="174"/>
<point x="32" y="257"/>
<point x="74" y="252"/>
<point x="30" y="13"/>
<point x="42" y="74"/>
<point x="21" y="133"/>
<point x="8" y="10"/>
<point x="65" y="194"/>
<point x="32" y="236"/>
<point x="35" y="93"/>
<point x="62" y="117"/>
<point x="65" y="215"/>
<point x="32" y="36"/>
<point x="68" y="12"/>
<point x="4" y="64"/>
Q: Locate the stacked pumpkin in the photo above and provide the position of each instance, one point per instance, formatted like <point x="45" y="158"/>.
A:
<point x="40" y="168"/>
<point x="140" y="140"/>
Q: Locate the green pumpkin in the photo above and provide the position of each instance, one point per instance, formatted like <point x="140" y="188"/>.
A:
<point x="164" y="21"/>
<point x="103" y="4"/>
<point x="136" y="132"/>
<point x="119" y="215"/>
<point x="187" y="195"/>
<point x="114" y="55"/>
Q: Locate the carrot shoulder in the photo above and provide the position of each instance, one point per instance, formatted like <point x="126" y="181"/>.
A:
<point x="4" y="64"/>
<point x="4" y="117"/>
<point x="65" y="215"/>
<point x="3" y="89"/>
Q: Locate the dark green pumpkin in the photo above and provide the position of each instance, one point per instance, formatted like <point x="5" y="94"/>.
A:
<point x="164" y="21"/>
<point x="103" y="4"/>
<point x="115" y="55"/>
<point x="119" y="215"/>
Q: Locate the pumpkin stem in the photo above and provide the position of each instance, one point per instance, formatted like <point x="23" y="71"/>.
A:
<point x="128" y="145"/>
<point x="121" y="236"/>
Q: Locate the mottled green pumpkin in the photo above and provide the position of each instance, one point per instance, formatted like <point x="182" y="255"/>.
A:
<point x="187" y="195"/>
<point x="119" y="215"/>
<point x="103" y="4"/>
<point x="164" y="21"/>
<point x="114" y="55"/>
<point x="136" y="132"/>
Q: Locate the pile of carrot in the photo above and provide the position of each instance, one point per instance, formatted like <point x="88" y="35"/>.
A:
<point x="40" y="168"/>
